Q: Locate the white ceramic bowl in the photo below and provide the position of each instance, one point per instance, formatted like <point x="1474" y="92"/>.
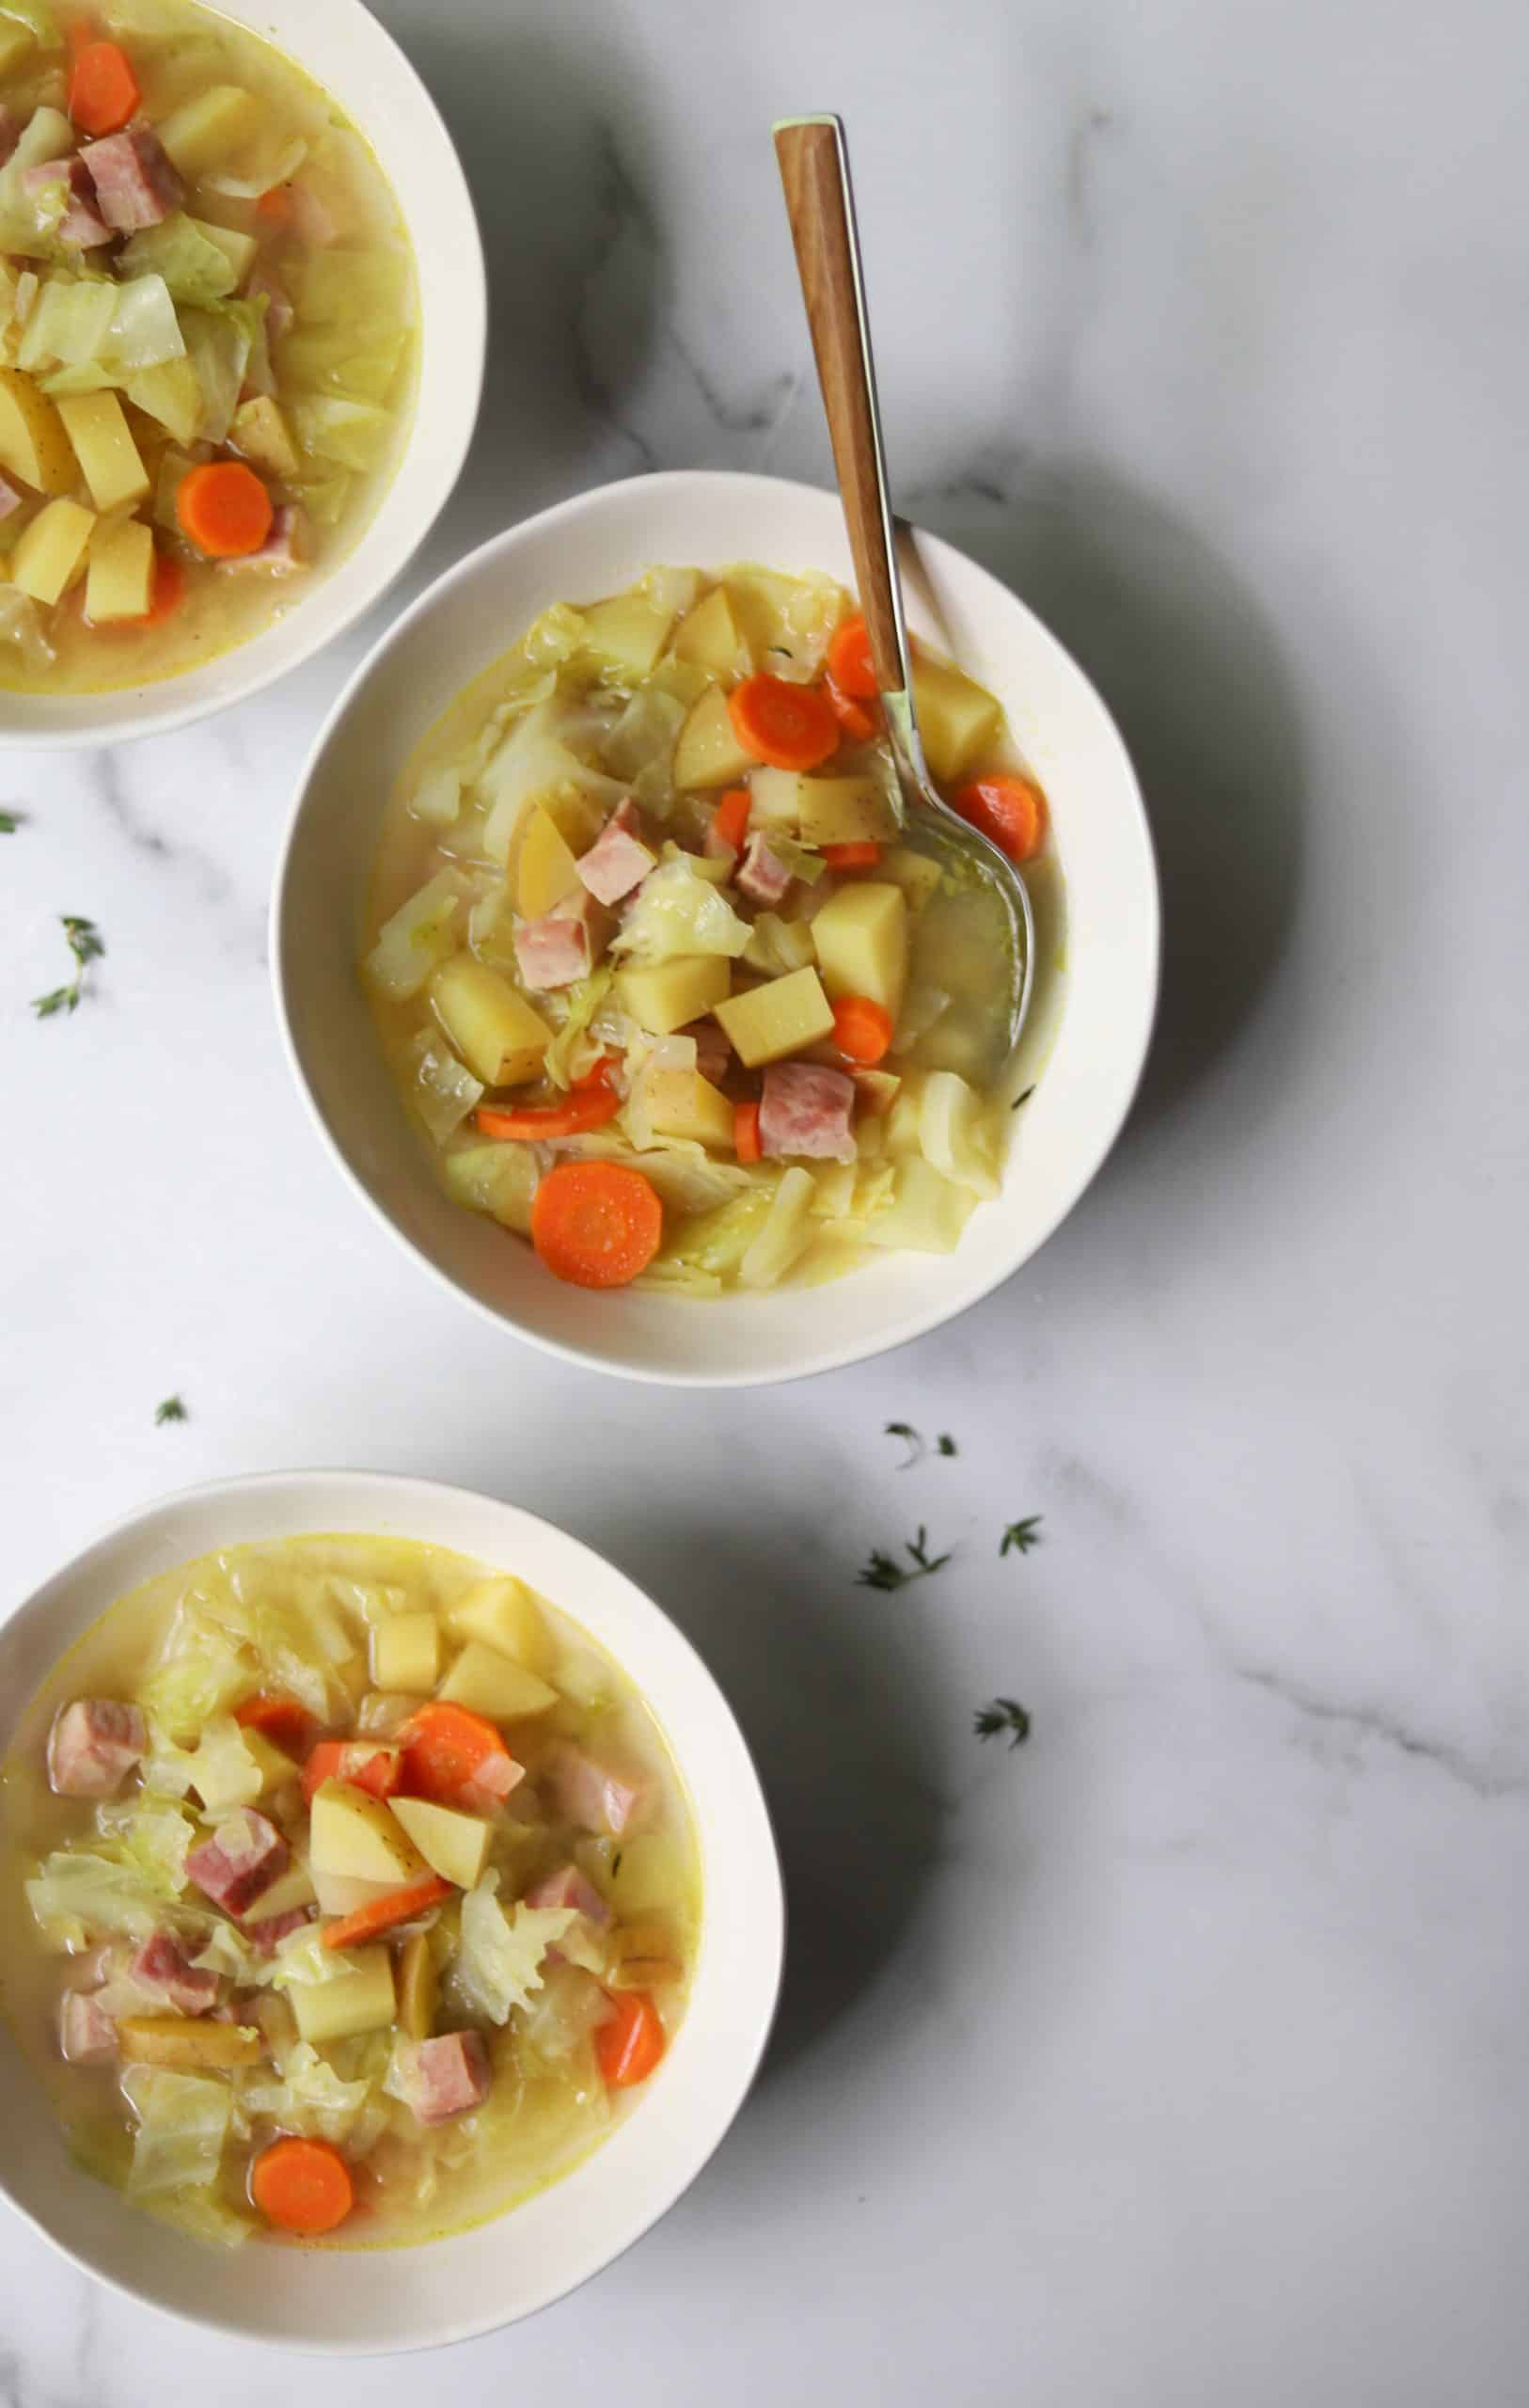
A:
<point x="352" y="2303"/>
<point x="345" y="50"/>
<point x="595" y="544"/>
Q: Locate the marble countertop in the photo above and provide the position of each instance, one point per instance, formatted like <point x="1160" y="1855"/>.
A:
<point x="1178" y="2056"/>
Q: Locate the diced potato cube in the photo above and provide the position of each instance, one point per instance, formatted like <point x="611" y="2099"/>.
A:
<point x="627" y="634"/>
<point x="351" y="2004"/>
<point x="708" y="753"/>
<point x="546" y="866"/>
<point x="206" y="131"/>
<point x="862" y="938"/>
<point x="957" y="719"/>
<point x="665" y="996"/>
<point x="681" y="1103"/>
<point x="917" y="875"/>
<point x="187" y="2040"/>
<point x="33" y="444"/>
<point x="844" y="811"/>
<point x="342" y="1893"/>
<point x="927" y="1213"/>
<point x="418" y="1984"/>
<point x="501" y="1039"/>
<point x="294" y="1887"/>
<point x="355" y="1835"/>
<point x="406" y="1652"/>
<point x="171" y="393"/>
<point x="104" y="449"/>
<point x="708" y="635"/>
<point x="51" y="552"/>
<point x="454" y="1845"/>
<point x="775" y="799"/>
<point x="776" y="1020"/>
<point x="120" y="580"/>
<point x="876" y="1091"/>
<point x="262" y="434"/>
<point x="494" y="1684"/>
<point x="503" y="1613"/>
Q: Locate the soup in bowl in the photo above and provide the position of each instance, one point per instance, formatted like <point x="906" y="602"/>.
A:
<point x="357" y="1890"/>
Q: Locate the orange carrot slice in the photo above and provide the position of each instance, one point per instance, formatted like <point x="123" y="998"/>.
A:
<point x="224" y="509"/>
<point x="1009" y="809"/>
<point x="597" y="1224"/>
<point x="303" y="2186"/>
<point x="789" y="727"/>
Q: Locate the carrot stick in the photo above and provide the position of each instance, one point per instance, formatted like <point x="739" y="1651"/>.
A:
<point x="789" y="727"/>
<point x="632" y="2042"/>
<point x="1008" y="808"/>
<point x="849" y="660"/>
<point x="103" y="89"/>
<point x="855" y="717"/>
<point x="730" y="820"/>
<point x="862" y="1030"/>
<point x="448" y="1750"/>
<point x="596" y="1224"/>
<point x="588" y="1104"/>
<point x="282" y="1720"/>
<point x="863" y="854"/>
<point x="377" y="1771"/>
<point x="381" y="1914"/>
<point x="303" y="2186"/>
<point x="224" y="509"/>
<point x="746" y="1143"/>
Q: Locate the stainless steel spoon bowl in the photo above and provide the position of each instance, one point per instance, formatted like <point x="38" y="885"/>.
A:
<point x="814" y="170"/>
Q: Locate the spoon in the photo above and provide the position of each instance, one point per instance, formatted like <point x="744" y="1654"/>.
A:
<point x="814" y="170"/>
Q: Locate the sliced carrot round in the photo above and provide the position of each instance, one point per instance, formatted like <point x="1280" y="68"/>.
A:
<point x="787" y="726"/>
<point x="1009" y="809"/>
<point x="103" y="89"/>
<point x="863" y="854"/>
<point x="377" y="1771"/>
<point x="849" y="661"/>
<point x="597" y="1224"/>
<point x="280" y="1718"/>
<point x="630" y="2044"/>
<point x="446" y="1751"/>
<point x="588" y="1104"/>
<point x="730" y="820"/>
<point x="747" y="1142"/>
<point x="303" y="2186"/>
<point x="224" y="509"/>
<point x="852" y="717"/>
<point x="862" y="1030"/>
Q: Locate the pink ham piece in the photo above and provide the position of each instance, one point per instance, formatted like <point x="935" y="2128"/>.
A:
<point x="568" y="1888"/>
<point x="557" y="949"/>
<point x="618" y="860"/>
<point x="807" y="1109"/>
<point x="596" y="1791"/>
<point x="444" y="2077"/>
<point x="284" y="550"/>
<point x="264" y="1935"/>
<point x="713" y="1052"/>
<point x="762" y="875"/>
<point x="244" y="1855"/>
<point x="715" y="847"/>
<point x="162" y="1965"/>
<point x="495" y="1777"/>
<point x="82" y="224"/>
<point x="87" y="2034"/>
<point x="135" y="184"/>
<point x="92" y="1743"/>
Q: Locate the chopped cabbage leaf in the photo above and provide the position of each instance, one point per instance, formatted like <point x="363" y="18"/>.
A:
<point x="333" y="426"/>
<point x="675" y="911"/>
<point x="68" y="325"/>
<point x="155" y="1836"/>
<point x="277" y="170"/>
<point x="574" y="1052"/>
<point x="787" y="1234"/>
<point x="201" y="1673"/>
<point x="76" y="1896"/>
<point x="530" y="762"/>
<point x="644" y="735"/>
<point x="182" y="2125"/>
<point x="38" y="17"/>
<point x="417" y="937"/>
<point x="958" y="1133"/>
<point x="202" y="2215"/>
<point x="302" y="1960"/>
<point x="437" y="797"/>
<point x="223" y="1773"/>
<point x="673" y="590"/>
<point x="144" y="331"/>
<point x="800" y="859"/>
<point x="555" y="637"/>
<point x="716" y="1242"/>
<point x="441" y="1090"/>
<point x="498" y="1960"/>
<point x="218" y="343"/>
<point x="21" y="625"/>
<point x="310" y="2097"/>
<point x="227" y="1950"/>
<point x="194" y="268"/>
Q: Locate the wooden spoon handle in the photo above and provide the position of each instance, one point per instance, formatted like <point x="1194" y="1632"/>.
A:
<point x="814" y="169"/>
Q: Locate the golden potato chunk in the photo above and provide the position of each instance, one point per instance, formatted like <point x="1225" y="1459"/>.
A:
<point x="187" y="2040"/>
<point x="773" y="1021"/>
<point x="958" y="717"/>
<point x="355" y="2003"/>
<point x="406" y="1652"/>
<point x="501" y="1039"/>
<point x="355" y="1835"/>
<point x="860" y="935"/>
<point x="104" y="449"/>
<point x="844" y="811"/>
<point x="708" y="753"/>
<point x="119" y="578"/>
<point x="708" y="635"/>
<point x="681" y="1103"/>
<point x="51" y="550"/>
<point x="33" y="444"/>
<point x="665" y="996"/>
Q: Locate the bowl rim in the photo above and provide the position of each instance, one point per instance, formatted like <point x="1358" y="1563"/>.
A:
<point x="819" y="1359"/>
<point x="768" y="1905"/>
<point x="466" y="238"/>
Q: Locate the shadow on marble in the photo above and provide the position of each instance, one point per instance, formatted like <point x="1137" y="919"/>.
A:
<point x="1198" y="686"/>
<point x="834" y="1703"/>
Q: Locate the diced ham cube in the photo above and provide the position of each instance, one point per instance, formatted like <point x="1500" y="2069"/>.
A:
<point x="568" y="1888"/>
<point x="244" y="1855"/>
<point x="82" y="224"/>
<point x="596" y="1791"/>
<point x="92" y="1743"/>
<point x="557" y="949"/>
<point x="806" y="1108"/>
<point x="618" y="860"/>
<point x="492" y="1782"/>
<point x="87" y="2034"/>
<point x="162" y="1965"/>
<point x="279" y="313"/>
<point x="135" y="184"/>
<point x="762" y="875"/>
<point x="713" y="1052"/>
<point x="444" y="2077"/>
<point x="264" y="1935"/>
<point x="285" y="548"/>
